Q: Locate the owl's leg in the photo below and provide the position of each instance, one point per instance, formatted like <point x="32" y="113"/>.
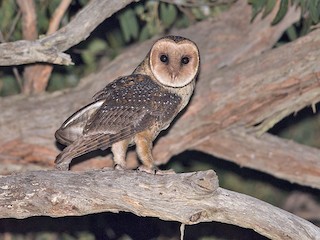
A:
<point x="119" y="150"/>
<point x="143" y="142"/>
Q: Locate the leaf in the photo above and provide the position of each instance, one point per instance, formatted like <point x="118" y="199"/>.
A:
<point x="168" y="14"/>
<point x="314" y="10"/>
<point x="133" y="23"/>
<point x="124" y="26"/>
<point x="257" y="6"/>
<point x="268" y="7"/>
<point x="292" y="33"/>
<point x="9" y="86"/>
<point x="115" y="40"/>
<point x="97" y="45"/>
<point x="129" y="25"/>
<point x="7" y="11"/>
<point x="144" y="34"/>
<point x="281" y="12"/>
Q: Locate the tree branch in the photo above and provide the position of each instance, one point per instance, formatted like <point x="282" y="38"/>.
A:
<point x="260" y="90"/>
<point x="188" y="198"/>
<point x="49" y="49"/>
<point x="267" y="153"/>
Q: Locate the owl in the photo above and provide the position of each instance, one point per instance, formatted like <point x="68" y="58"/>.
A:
<point x="134" y="109"/>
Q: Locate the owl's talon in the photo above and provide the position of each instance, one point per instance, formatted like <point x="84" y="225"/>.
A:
<point x="119" y="167"/>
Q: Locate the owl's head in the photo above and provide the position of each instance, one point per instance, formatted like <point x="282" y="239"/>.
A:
<point x="174" y="61"/>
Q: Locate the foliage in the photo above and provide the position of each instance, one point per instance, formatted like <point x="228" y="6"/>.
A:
<point x="310" y="14"/>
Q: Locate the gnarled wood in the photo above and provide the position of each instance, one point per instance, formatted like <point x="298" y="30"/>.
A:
<point x="189" y="198"/>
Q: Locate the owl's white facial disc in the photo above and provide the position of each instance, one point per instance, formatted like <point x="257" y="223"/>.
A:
<point x="174" y="64"/>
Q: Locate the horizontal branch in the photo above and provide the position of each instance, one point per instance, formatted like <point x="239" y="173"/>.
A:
<point x="24" y="51"/>
<point x="188" y="198"/>
<point x="50" y="48"/>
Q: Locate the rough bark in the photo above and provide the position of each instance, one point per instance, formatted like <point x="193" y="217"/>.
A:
<point x="50" y="48"/>
<point x="188" y="198"/>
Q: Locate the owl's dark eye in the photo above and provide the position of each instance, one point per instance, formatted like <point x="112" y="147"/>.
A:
<point x="164" y="58"/>
<point x="185" y="60"/>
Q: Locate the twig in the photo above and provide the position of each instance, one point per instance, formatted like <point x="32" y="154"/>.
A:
<point x="57" y="16"/>
<point x="42" y="72"/>
<point x="13" y="25"/>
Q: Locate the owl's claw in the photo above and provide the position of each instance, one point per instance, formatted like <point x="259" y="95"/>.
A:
<point x="119" y="167"/>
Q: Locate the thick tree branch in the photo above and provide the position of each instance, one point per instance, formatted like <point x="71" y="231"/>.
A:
<point x="260" y="90"/>
<point x="189" y="198"/>
<point x="298" y="164"/>
<point x="49" y="49"/>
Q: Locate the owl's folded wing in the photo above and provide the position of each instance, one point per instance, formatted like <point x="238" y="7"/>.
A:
<point x="112" y="128"/>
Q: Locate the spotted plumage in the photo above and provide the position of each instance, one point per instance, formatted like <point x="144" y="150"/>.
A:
<point x="134" y="109"/>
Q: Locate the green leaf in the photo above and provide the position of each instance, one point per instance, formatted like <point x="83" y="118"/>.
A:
<point x="124" y="26"/>
<point x="133" y="23"/>
<point x="144" y="34"/>
<point x="168" y="14"/>
<point x="129" y="25"/>
<point x="268" y="7"/>
<point x="314" y="10"/>
<point x="292" y="33"/>
<point x="9" y="86"/>
<point x="281" y="12"/>
<point x="7" y="14"/>
<point x="257" y="6"/>
<point x="115" y="40"/>
<point x="97" y="45"/>
<point x="197" y="13"/>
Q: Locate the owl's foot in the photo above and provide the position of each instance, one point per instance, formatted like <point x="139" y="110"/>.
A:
<point x="119" y="167"/>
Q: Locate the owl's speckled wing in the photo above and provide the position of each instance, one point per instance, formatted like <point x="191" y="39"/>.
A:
<point x="123" y="108"/>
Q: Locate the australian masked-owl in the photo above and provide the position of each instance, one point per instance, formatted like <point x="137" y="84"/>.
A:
<point x="134" y="109"/>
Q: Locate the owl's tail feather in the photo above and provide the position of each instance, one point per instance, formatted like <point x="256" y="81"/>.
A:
<point x="88" y="144"/>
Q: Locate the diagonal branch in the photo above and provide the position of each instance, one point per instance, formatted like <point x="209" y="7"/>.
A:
<point x="22" y="52"/>
<point x="189" y="198"/>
